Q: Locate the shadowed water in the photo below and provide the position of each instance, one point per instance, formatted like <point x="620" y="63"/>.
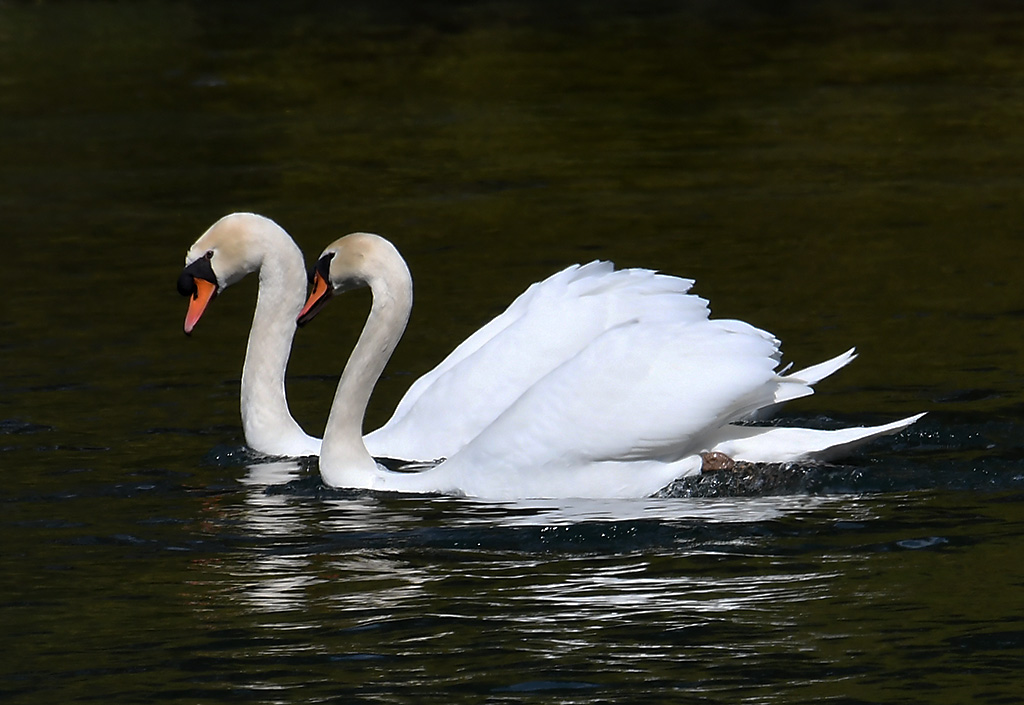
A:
<point x="838" y="173"/>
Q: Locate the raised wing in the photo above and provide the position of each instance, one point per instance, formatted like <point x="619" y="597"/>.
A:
<point x="549" y="323"/>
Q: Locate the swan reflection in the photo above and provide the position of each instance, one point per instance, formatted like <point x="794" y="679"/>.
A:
<point x="358" y="583"/>
<point x="278" y="472"/>
<point x="569" y="512"/>
<point x="372" y="556"/>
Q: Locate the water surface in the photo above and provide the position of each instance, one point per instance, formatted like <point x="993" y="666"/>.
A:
<point x="838" y="173"/>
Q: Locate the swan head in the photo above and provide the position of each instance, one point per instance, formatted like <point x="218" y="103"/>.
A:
<point x="351" y="262"/>
<point x="222" y="255"/>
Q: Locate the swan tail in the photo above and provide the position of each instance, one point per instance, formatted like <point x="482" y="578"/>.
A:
<point x="778" y="444"/>
<point x="815" y="373"/>
<point x="800" y="383"/>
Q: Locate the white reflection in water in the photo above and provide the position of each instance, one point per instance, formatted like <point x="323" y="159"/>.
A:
<point x="379" y="586"/>
<point x="367" y="571"/>
<point x="562" y="512"/>
<point x="277" y="472"/>
<point x="269" y="581"/>
<point x="273" y="581"/>
<point x="606" y="594"/>
<point x="270" y="514"/>
<point x="277" y="583"/>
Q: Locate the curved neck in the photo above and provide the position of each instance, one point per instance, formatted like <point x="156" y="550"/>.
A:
<point x="266" y="421"/>
<point x="344" y="459"/>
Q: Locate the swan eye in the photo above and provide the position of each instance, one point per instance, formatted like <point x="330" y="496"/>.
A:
<point x="209" y="254"/>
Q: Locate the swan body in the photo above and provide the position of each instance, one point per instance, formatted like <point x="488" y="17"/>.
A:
<point x="571" y="392"/>
<point x="232" y="247"/>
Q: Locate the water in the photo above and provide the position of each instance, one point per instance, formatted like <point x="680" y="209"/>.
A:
<point x="837" y="173"/>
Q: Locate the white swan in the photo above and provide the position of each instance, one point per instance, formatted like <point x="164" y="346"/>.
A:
<point x="568" y="397"/>
<point x="234" y="246"/>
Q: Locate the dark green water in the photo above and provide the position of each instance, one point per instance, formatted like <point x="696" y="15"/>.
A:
<point x="839" y="173"/>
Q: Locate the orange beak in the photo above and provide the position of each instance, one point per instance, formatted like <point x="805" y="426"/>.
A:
<point x="202" y="296"/>
<point x="318" y="298"/>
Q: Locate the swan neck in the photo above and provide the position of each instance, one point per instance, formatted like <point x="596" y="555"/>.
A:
<point x="344" y="459"/>
<point x="266" y="420"/>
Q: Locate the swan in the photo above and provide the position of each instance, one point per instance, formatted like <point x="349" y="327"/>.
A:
<point x="600" y="405"/>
